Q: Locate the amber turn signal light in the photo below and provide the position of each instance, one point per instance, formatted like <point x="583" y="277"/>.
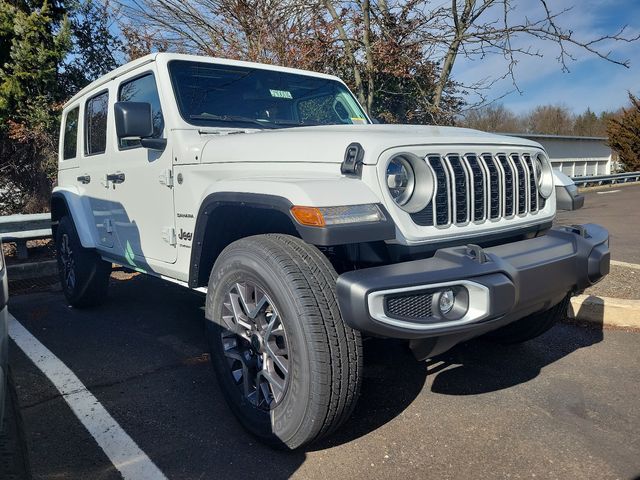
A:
<point x="310" y="216"/>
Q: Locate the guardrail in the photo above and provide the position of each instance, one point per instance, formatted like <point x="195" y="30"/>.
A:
<point x="20" y="228"/>
<point x="607" y="179"/>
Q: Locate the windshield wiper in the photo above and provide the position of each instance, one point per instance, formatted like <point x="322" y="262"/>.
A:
<point x="230" y="119"/>
<point x="295" y="124"/>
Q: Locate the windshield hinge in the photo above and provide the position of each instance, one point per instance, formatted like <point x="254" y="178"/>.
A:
<point x="353" y="160"/>
<point x="166" y="178"/>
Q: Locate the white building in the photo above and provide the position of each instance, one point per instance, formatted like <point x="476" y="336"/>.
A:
<point x="576" y="156"/>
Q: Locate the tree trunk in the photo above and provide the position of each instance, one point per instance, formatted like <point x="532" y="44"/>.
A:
<point x="366" y="40"/>
<point x="349" y="51"/>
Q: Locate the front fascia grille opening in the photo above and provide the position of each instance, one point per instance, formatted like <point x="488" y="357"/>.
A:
<point x="476" y="187"/>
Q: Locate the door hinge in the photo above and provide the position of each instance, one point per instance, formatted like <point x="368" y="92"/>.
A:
<point x="169" y="235"/>
<point x="108" y="225"/>
<point x="166" y="178"/>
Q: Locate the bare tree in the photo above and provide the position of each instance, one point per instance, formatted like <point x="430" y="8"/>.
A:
<point x="494" y="117"/>
<point x="478" y="28"/>
<point x="550" y="119"/>
<point x="269" y="31"/>
<point x="392" y="52"/>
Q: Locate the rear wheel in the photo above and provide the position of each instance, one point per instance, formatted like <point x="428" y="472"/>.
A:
<point x="287" y="365"/>
<point x="84" y="276"/>
<point x="531" y="326"/>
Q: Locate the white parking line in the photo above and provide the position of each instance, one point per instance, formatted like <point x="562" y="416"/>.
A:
<point x="607" y="191"/>
<point x="123" y="452"/>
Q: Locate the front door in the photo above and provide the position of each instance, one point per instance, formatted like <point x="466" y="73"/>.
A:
<point x="94" y="164"/>
<point x="142" y="194"/>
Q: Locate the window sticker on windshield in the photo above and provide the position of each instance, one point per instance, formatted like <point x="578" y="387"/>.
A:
<point x="281" y="94"/>
<point x="358" y="120"/>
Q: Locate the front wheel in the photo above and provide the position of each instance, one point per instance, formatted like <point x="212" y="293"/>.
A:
<point x="287" y="365"/>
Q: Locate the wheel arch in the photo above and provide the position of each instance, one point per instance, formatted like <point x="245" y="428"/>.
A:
<point x="68" y="203"/>
<point x="225" y="217"/>
<point x="250" y="214"/>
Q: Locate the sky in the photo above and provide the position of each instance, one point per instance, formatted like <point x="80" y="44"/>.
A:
<point x="591" y="82"/>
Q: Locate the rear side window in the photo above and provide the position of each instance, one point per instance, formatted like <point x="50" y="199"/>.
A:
<point x="96" y="124"/>
<point x="70" y="141"/>
<point x="142" y="89"/>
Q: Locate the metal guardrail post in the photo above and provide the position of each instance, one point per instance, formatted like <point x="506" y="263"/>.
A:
<point x="21" y="228"/>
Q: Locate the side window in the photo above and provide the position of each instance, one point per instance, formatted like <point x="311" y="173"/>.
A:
<point x="142" y="89"/>
<point x="96" y="124"/>
<point x="70" y="140"/>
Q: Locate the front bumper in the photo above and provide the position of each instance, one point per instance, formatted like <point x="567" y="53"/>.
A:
<point x="504" y="283"/>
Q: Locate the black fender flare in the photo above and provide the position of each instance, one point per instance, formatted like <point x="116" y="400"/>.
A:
<point x="319" y="236"/>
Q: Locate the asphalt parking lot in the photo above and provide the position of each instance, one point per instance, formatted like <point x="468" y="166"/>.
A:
<point x="614" y="207"/>
<point x="562" y="406"/>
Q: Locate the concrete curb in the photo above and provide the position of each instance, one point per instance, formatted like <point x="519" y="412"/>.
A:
<point x="26" y="271"/>
<point x="614" y="312"/>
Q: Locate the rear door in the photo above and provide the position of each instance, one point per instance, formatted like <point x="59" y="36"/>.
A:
<point x="142" y="194"/>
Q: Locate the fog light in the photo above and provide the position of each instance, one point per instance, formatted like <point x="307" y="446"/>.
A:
<point x="446" y="302"/>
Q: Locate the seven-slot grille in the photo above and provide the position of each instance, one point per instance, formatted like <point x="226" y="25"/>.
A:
<point x="478" y="187"/>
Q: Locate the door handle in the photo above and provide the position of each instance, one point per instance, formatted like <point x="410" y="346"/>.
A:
<point x="115" y="177"/>
<point x="84" y="179"/>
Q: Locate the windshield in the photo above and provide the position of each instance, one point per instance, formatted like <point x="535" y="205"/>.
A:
<point x="244" y="97"/>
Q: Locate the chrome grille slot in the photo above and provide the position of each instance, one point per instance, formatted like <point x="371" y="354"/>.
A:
<point x="478" y="187"/>
<point x="509" y="190"/>
<point x="533" y="185"/>
<point x="495" y="186"/>
<point x="460" y="190"/>
<point x="522" y="184"/>
<point x="442" y="211"/>
<point x="479" y="191"/>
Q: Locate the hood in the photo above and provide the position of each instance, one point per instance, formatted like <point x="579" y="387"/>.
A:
<point x="327" y="144"/>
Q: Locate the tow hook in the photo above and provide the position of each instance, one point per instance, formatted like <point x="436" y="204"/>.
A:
<point x="578" y="230"/>
<point x="475" y="252"/>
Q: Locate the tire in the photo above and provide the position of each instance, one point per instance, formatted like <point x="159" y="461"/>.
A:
<point x="309" y="361"/>
<point x="84" y="276"/>
<point x="531" y="326"/>
<point x="14" y="455"/>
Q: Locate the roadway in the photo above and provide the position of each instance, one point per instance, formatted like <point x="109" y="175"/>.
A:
<point x="617" y="207"/>
<point x="562" y="406"/>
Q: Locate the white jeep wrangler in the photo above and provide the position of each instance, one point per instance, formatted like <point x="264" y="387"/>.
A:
<point x="308" y="226"/>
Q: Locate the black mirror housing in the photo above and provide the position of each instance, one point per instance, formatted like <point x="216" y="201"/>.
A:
<point x="133" y="119"/>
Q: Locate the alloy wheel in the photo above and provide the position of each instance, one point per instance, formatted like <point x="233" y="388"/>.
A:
<point x="255" y="345"/>
<point x="68" y="263"/>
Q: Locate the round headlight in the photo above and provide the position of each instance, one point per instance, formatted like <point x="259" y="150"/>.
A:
<point x="410" y="182"/>
<point x="544" y="174"/>
<point x="401" y="180"/>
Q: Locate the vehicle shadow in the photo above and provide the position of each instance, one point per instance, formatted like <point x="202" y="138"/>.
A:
<point x="481" y="366"/>
<point x="144" y="356"/>
<point x="471" y="368"/>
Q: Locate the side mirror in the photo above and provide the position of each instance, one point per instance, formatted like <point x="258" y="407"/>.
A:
<point x="567" y="196"/>
<point x="134" y="121"/>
